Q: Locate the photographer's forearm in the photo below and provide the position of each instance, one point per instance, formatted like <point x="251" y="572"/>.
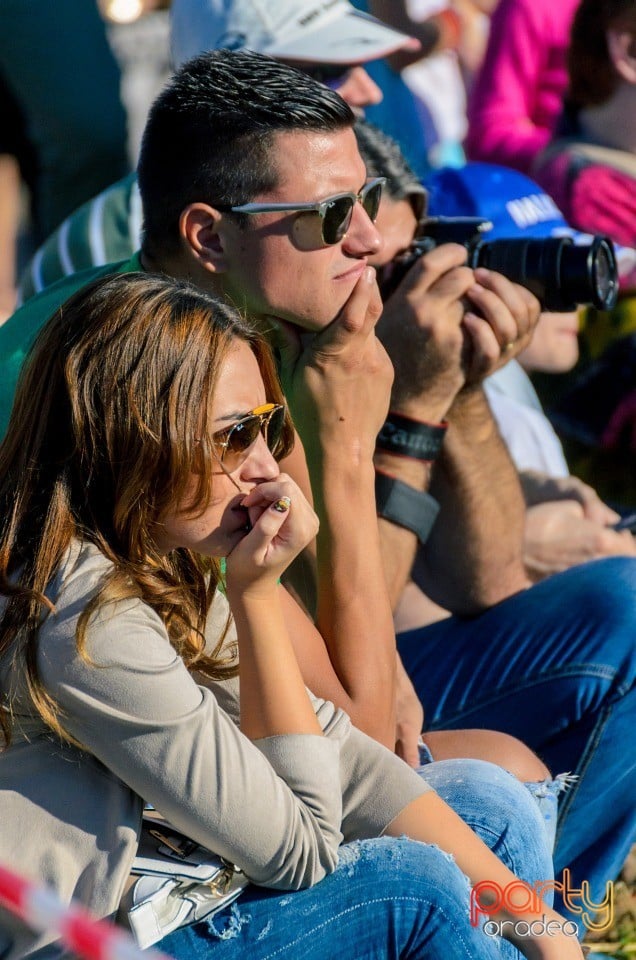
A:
<point x="473" y="557"/>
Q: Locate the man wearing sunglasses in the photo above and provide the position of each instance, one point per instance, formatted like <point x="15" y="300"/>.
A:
<point x="234" y="131"/>
<point x="329" y="41"/>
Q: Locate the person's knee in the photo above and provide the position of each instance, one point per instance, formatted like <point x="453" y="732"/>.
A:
<point x="395" y="863"/>
<point x="514" y="756"/>
<point x="500" y="809"/>
<point x="490" y="745"/>
<point x="604" y="590"/>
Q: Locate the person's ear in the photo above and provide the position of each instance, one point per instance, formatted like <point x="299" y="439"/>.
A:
<point x="621" y="45"/>
<point x="201" y="234"/>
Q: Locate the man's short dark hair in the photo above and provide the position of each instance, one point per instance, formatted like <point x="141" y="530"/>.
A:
<point x="383" y="157"/>
<point x="209" y="134"/>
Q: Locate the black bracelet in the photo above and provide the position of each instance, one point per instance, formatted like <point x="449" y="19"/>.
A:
<point x="407" y="507"/>
<point x="411" y="438"/>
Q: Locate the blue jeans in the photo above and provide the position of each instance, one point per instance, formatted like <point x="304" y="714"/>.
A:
<point x="516" y="821"/>
<point x="555" y="667"/>
<point x="495" y="805"/>
<point x="508" y="816"/>
<point x="387" y="899"/>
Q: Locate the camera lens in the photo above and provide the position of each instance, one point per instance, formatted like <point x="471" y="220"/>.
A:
<point x="561" y="274"/>
<point x="605" y="276"/>
<point x="535" y="264"/>
<point x="589" y="273"/>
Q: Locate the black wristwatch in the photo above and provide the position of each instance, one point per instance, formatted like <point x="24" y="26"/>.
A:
<point x="410" y="508"/>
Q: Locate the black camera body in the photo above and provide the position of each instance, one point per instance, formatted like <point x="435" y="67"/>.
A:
<point x="560" y="273"/>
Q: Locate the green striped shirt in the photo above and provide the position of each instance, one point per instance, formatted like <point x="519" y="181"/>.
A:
<point x="102" y="231"/>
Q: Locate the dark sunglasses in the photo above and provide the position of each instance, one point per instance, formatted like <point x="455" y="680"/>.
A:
<point x="335" y="212"/>
<point x="332" y="75"/>
<point x="233" y="443"/>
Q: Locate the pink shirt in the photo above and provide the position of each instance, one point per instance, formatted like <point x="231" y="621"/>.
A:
<point x="518" y="95"/>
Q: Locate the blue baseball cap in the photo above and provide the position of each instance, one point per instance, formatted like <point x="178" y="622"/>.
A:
<point x="514" y="204"/>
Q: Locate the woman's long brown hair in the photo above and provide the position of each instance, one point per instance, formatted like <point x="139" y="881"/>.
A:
<point x="110" y="413"/>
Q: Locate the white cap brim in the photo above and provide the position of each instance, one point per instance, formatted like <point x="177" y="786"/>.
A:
<point x="349" y="39"/>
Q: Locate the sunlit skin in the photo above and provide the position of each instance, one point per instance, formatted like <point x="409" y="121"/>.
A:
<point x="554" y="348"/>
<point x="354" y="85"/>
<point x="277" y="265"/>
<point x="396" y="224"/>
<point x="222" y="524"/>
<point x="358" y="89"/>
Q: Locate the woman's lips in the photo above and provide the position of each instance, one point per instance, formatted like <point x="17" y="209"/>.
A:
<point x="243" y="513"/>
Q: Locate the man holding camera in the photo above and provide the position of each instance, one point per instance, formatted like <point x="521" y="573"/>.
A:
<point x="537" y="658"/>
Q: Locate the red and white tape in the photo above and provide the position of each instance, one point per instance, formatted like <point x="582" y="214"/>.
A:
<point x="43" y="911"/>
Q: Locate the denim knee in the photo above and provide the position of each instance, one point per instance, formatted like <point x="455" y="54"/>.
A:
<point x="420" y="885"/>
<point x="601" y="638"/>
<point x="501" y="810"/>
<point x="389" y="897"/>
<point x="606" y="590"/>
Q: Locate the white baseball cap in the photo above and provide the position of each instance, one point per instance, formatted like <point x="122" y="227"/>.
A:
<point x="313" y="31"/>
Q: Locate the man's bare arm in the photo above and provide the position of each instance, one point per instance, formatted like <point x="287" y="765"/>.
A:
<point x="421" y="329"/>
<point x="338" y="384"/>
<point x="445" y="329"/>
<point x="473" y="558"/>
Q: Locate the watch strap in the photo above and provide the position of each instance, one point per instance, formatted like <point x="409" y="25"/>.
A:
<point x="413" y="509"/>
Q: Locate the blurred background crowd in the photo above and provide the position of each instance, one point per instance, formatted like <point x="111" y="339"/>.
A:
<point x="499" y="91"/>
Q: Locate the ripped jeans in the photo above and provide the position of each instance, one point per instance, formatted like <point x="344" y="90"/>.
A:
<point x="392" y="898"/>
<point x="388" y="899"/>
<point x="490" y="801"/>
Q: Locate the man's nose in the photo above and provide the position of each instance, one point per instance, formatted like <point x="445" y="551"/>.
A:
<point x="362" y="238"/>
<point x="359" y="90"/>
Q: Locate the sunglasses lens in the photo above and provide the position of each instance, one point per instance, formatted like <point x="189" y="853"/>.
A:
<point x="371" y="201"/>
<point x="240" y="438"/>
<point x="337" y="82"/>
<point x="337" y="218"/>
<point x="332" y="75"/>
<point x="274" y="429"/>
<point x="237" y="440"/>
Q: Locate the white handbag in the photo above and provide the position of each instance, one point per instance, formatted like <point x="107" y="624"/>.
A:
<point x="179" y="883"/>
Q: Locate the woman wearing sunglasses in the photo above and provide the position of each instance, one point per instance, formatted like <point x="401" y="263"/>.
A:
<point x="143" y="449"/>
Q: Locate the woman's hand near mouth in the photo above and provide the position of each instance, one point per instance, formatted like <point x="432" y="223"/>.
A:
<point x="280" y="523"/>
